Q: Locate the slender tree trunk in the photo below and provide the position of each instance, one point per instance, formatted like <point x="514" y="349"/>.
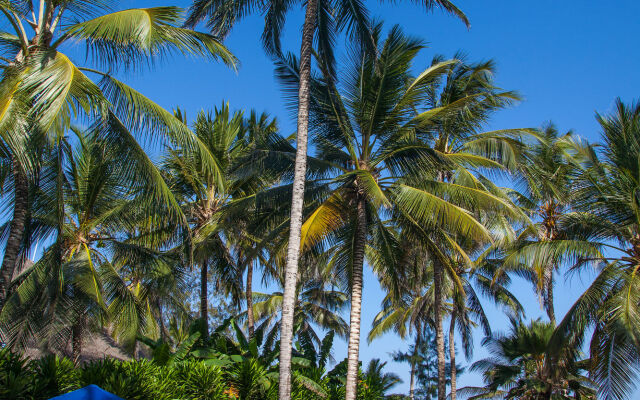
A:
<point x="249" y="293"/>
<point x="163" y="328"/>
<point x="16" y="231"/>
<point x="204" y="296"/>
<point x="136" y="351"/>
<point x="359" y="244"/>
<point x="550" y="306"/>
<point x="416" y="350"/>
<point x="437" y="292"/>
<point x="412" y="378"/>
<point x="77" y="332"/>
<point x="452" y="355"/>
<point x="297" y="200"/>
<point x="550" y="212"/>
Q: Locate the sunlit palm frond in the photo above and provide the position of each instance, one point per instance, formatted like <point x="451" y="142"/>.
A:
<point x="132" y="37"/>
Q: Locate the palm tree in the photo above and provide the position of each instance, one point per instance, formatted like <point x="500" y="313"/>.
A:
<point x="375" y="382"/>
<point x="250" y="241"/>
<point x="16" y="228"/>
<point x="321" y="20"/>
<point x="42" y="89"/>
<point x="18" y="185"/>
<point x="427" y="367"/>
<point x="472" y="283"/>
<point x="409" y="308"/>
<point x="468" y="92"/>
<point x="605" y="218"/>
<point x="547" y="171"/>
<point x="521" y="367"/>
<point x="205" y="197"/>
<point x="105" y="263"/>
<point x="457" y="134"/>
<point x="413" y="358"/>
<point x="375" y="165"/>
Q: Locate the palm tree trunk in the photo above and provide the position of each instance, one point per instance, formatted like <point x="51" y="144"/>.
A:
<point x="77" y="331"/>
<point x="204" y="297"/>
<point x="437" y="292"/>
<point x="249" y="294"/>
<point x="163" y="328"/>
<point x="297" y="199"/>
<point x="550" y="306"/>
<point x="16" y="231"/>
<point x="452" y="354"/>
<point x="359" y="244"/>
<point x="412" y="378"/>
<point x="416" y="350"/>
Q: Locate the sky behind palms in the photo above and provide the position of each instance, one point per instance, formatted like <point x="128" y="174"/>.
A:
<point x="567" y="59"/>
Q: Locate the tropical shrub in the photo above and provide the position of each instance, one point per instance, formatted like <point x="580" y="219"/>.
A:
<point x="21" y="378"/>
<point x="227" y="377"/>
<point x="198" y="381"/>
<point x="131" y="380"/>
<point x="53" y="375"/>
<point x="15" y="376"/>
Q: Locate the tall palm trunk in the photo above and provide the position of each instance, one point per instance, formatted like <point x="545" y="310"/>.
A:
<point x="412" y="378"/>
<point x="163" y="328"/>
<point x="452" y="354"/>
<point x="249" y="294"/>
<point x="549" y="233"/>
<point x="359" y="244"/>
<point x="438" y="270"/>
<point x="297" y="199"/>
<point x="16" y="231"/>
<point x="77" y="332"/>
<point x="204" y="298"/>
<point x="416" y="349"/>
<point x="437" y="292"/>
<point x="549" y="298"/>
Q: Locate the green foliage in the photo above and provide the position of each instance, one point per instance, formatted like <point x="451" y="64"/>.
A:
<point x="54" y="375"/>
<point x="199" y="381"/>
<point x="15" y="376"/>
<point x="523" y="366"/>
<point x="124" y="231"/>
<point x="134" y="380"/>
<point x="162" y="354"/>
<point x="236" y="377"/>
<point x="47" y="377"/>
<point x="375" y="383"/>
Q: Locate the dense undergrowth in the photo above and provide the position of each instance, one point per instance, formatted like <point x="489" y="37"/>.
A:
<point x="22" y="378"/>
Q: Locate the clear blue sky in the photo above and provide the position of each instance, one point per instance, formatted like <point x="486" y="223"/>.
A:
<point x="567" y="58"/>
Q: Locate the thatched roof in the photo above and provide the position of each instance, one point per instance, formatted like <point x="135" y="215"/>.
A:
<point x="96" y="346"/>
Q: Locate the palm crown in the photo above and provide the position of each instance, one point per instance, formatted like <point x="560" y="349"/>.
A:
<point x="372" y="163"/>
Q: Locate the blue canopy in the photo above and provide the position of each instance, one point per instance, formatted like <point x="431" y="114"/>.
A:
<point x="91" y="392"/>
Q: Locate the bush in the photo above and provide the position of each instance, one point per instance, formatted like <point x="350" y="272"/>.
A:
<point x="16" y="376"/>
<point x="53" y="376"/>
<point x="239" y="378"/>
<point x="198" y="381"/>
<point x="131" y="380"/>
